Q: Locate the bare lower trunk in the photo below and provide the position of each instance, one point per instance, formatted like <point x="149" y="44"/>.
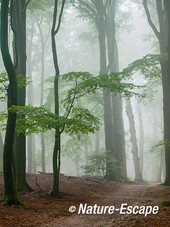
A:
<point x="1" y="153"/>
<point x="43" y="152"/>
<point x="141" y="141"/>
<point x="133" y="141"/>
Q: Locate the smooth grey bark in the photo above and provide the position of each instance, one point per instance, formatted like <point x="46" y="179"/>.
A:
<point x="113" y="66"/>
<point x="163" y="36"/>
<point x="108" y="127"/>
<point x="97" y="145"/>
<point x="160" y="169"/>
<point x="86" y="153"/>
<point x="77" y="164"/>
<point x="1" y="153"/>
<point x="30" y="95"/>
<point x="133" y="140"/>
<point x="141" y="139"/>
<point x="43" y="43"/>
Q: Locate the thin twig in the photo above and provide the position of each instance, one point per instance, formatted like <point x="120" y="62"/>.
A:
<point x="157" y="33"/>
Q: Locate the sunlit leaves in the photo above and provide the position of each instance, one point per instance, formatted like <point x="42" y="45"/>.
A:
<point x="40" y="119"/>
<point x="21" y="81"/>
<point x="3" y="86"/>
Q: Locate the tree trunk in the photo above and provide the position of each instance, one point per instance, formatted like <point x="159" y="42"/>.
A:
<point x="19" y="26"/>
<point x="10" y="197"/>
<point x="160" y="170"/>
<point x="97" y="148"/>
<point x="163" y="37"/>
<point x="113" y="66"/>
<point x="86" y="153"/>
<point x="30" y="94"/>
<point x="133" y="141"/>
<point x="57" y="144"/>
<point x="42" y="94"/>
<point x="110" y="163"/>
<point x="1" y="153"/>
<point x="166" y="95"/>
<point x="119" y="137"/>
<point x="141" y="141"/>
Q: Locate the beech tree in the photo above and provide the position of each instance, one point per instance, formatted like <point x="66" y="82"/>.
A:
<point x="11" y="196"/>
<point x="57" y="145"/>
<point x="102" y="14"/>
<point x="167" y="134"/>
<point x="162" y="37"/>
<point x="18" y="13"/>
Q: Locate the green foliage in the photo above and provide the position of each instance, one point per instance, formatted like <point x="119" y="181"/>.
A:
<point x="22" y="81"/>
<point x="3" y="117"/>
<point x="86" y="83"/>
<point x="3" y="86"/>
<point x="81" y="121"/>
<point x="148" y="66"/>
<point x="159" y="146"/>
<point x="40" y="119"/>
<point x="97" y="164"/>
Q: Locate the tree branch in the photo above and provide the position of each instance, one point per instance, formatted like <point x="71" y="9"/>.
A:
<point x="88" y="7"/>
<point x="60" y="16"/>
<point x="26" y="4"/>
<point x="150" y="20"/>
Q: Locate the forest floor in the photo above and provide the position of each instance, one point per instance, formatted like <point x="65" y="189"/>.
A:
<point x="43" y="210"/>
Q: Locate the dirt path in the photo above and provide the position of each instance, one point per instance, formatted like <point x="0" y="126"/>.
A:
<point x="43" y="210"/>
<point x="133" y="195"/>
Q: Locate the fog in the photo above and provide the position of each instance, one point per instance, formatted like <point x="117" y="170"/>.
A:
<point x="78" y="50"/>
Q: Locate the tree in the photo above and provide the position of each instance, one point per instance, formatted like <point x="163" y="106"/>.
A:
<point x="133" y="140"/>
<point x="102" y="13"/>
<point x="10" y="197"/>
<point x="18" y="10"/>
<point x="141" y="142"/>
<point x="162" y="36"/>
<point x="30" y="95"/>
<point x="167" y="148"/>
<point x="57" y="145"/>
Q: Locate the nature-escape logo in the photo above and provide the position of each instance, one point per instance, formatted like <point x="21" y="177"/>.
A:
<point x="124" y="209"/>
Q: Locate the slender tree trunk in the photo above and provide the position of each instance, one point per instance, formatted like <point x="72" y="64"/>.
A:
<point x="19" y="26"/>
<point x="163" y="37"/>
<point x="86" y="153"/>
<point x="160" y="170"/>
<point x="141" y="141"/>
<point x="57" y="144"/>
<point x="30" y="94"/>
<point x="77" y="164"/>
<point x="110" y="164"/>
<point x="10" y="197"/>
<point x="42" y="93"/>
<point x="166" y="95"/>
<point x="133" y="141"/>
<point x="97" y="142"/>
<point x="1" y="153"/>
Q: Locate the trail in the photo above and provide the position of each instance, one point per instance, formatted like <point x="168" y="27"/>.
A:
<point x="132" y="194"/>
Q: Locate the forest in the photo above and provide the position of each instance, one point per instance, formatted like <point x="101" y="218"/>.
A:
<point x="84" y="112"/>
